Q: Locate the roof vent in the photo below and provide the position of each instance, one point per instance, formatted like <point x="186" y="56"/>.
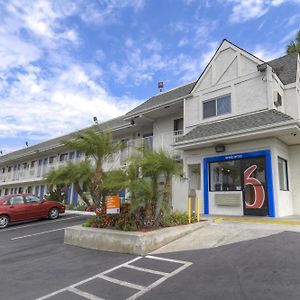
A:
<point x="160" y="85"/>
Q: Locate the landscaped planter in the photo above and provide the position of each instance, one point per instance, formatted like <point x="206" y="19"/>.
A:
<point x="139" y="243"/>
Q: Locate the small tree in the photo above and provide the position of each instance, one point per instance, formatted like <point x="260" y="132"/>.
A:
<point x="294" y="46"/>
<point x="97" y="146"/>
<point x="78" y="174"/>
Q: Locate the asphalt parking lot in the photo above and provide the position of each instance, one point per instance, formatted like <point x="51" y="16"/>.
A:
<point x="35" y="264"/>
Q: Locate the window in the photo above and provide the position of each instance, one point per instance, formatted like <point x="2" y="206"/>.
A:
<point x="40" y="162"/>
<point x="51" y="159"/>
<point x="9" y="169"/>
<point x="225" y="176"/>
<point x="32" y="164"/>
<point x="45" y="162"/>
<point x="71" y="155"/>
<point x="16" y="200"/>
<point x="283" y="174"/>
<point x="216" y="107"/>
<point x="63" y="157"/>
<point x="178" y="125"/>
<point x="32" y="199"/>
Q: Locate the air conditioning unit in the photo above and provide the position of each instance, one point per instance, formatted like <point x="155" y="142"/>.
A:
<point x="277" y="99"/>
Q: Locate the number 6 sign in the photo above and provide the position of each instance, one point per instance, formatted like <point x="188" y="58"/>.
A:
<point x="259" y="191"/>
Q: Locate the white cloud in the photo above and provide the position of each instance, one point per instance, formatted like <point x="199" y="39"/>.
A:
<point x="244" y="10"/>
<point x="47" y="108"/>
<point x="267" y="54"/>
<point x="107" y="11"/>
<point x="43" y="91"/>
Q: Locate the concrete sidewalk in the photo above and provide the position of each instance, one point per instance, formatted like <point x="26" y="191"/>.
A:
<point x="227" y="230"/>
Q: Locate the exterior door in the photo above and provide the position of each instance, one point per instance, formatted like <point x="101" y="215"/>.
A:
<point x="255" y="196"/>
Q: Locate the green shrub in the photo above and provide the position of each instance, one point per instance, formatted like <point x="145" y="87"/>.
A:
<point x="174" y="218"/>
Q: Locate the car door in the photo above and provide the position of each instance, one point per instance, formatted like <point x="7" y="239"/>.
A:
<point x="37" y="209"/>
<point x="18" y="210"/>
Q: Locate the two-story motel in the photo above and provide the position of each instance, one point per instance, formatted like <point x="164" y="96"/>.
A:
<point x="236" y="130"/>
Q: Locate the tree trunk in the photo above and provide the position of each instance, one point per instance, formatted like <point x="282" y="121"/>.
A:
<point x="78" y="189"/>
<point x="96" y="186"/>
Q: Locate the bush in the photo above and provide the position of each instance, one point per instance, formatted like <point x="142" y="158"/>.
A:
<point x="174" y="219"/>
<point x="124" y="221"/>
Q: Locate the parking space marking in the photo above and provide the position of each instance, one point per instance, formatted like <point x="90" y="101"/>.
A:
<point x="69" y="288"/>
<point x="185" y="264"/>
<point x="84" y="294"/>
<point x="75" y="288"/>
<point x="146" y="270"/>
<point x="37" y="224"/>
<point x="37" y="233"/>
<point x="121" y="282"/>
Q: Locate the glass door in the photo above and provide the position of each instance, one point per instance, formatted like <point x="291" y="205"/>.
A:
<point x="255" y="196"/>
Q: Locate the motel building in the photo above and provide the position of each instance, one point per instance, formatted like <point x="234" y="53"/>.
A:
<point x="235" y="129"/>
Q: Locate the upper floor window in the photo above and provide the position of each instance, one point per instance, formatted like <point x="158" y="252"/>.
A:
<point x="63" y="157"/>
<point x="71" y="155"/>
<point x="178" y="125"/>
<point x="51" y="159"/>
<point x="217" y="107"/>
<point x="32" y="164"/>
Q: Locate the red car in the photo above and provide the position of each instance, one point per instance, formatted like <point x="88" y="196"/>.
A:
<point x="22" y="207"/>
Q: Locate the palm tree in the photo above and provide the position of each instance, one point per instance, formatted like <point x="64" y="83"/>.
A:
<point x="97" y="146"/>
<point x="294" y="46"/>
<point x="78" y="174"/>
<point x="169" y="167"/>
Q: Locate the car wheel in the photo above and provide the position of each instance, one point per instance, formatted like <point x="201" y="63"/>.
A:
<point x="53" y="213"/>
<point x="4" y="220"/>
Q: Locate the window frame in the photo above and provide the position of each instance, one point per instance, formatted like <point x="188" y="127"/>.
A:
<point x="216" y="106"/>
<point x="286" y="173"/>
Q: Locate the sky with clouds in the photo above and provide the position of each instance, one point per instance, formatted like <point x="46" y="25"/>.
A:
<point x="64" y="61"/>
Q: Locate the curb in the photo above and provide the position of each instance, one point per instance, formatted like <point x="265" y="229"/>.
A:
<point x="77" y="212"/>
<point x="264" y="221"/>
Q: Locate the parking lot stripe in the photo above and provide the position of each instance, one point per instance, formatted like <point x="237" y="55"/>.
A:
<point x="87" y="279"/>
<point x="37" y="224"/>
<point x="166" y="259"/>
<point x="185" y="265"/>
<point x="37" y="233"/>
<point x="141" y="289"/>
<point x="84" y="294"/>
<point x="146" y="270"/>
<point x="121" y="282"/>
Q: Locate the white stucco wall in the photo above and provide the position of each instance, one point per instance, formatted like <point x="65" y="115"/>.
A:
<point x="232" y="72"/>
<point x="283" y="200"/>
<point x="294" y="178"/>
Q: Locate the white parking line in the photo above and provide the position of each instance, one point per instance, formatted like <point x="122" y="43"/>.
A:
<point x="69" y="288"/>
<point x="84" y="294"/>
<point x="37" y="233"/>
<point x="121" y="282"/>
<point x="146" y="270"/>
<point x="142" y="289"/>
<point x="39" y="224"/>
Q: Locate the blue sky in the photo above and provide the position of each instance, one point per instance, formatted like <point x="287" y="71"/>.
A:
<point x="64" y="61"/>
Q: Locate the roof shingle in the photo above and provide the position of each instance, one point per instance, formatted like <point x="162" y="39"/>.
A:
<point x="163" y="98"/>
<point x="236" y="124"/>
<point x="285" y="67"/>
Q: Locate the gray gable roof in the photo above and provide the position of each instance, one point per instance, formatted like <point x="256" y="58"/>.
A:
<point x="53" y="143"/>
<point x="285" y="67"/>
<point x="162" y="98"/>
<point x="236" y="124"/>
